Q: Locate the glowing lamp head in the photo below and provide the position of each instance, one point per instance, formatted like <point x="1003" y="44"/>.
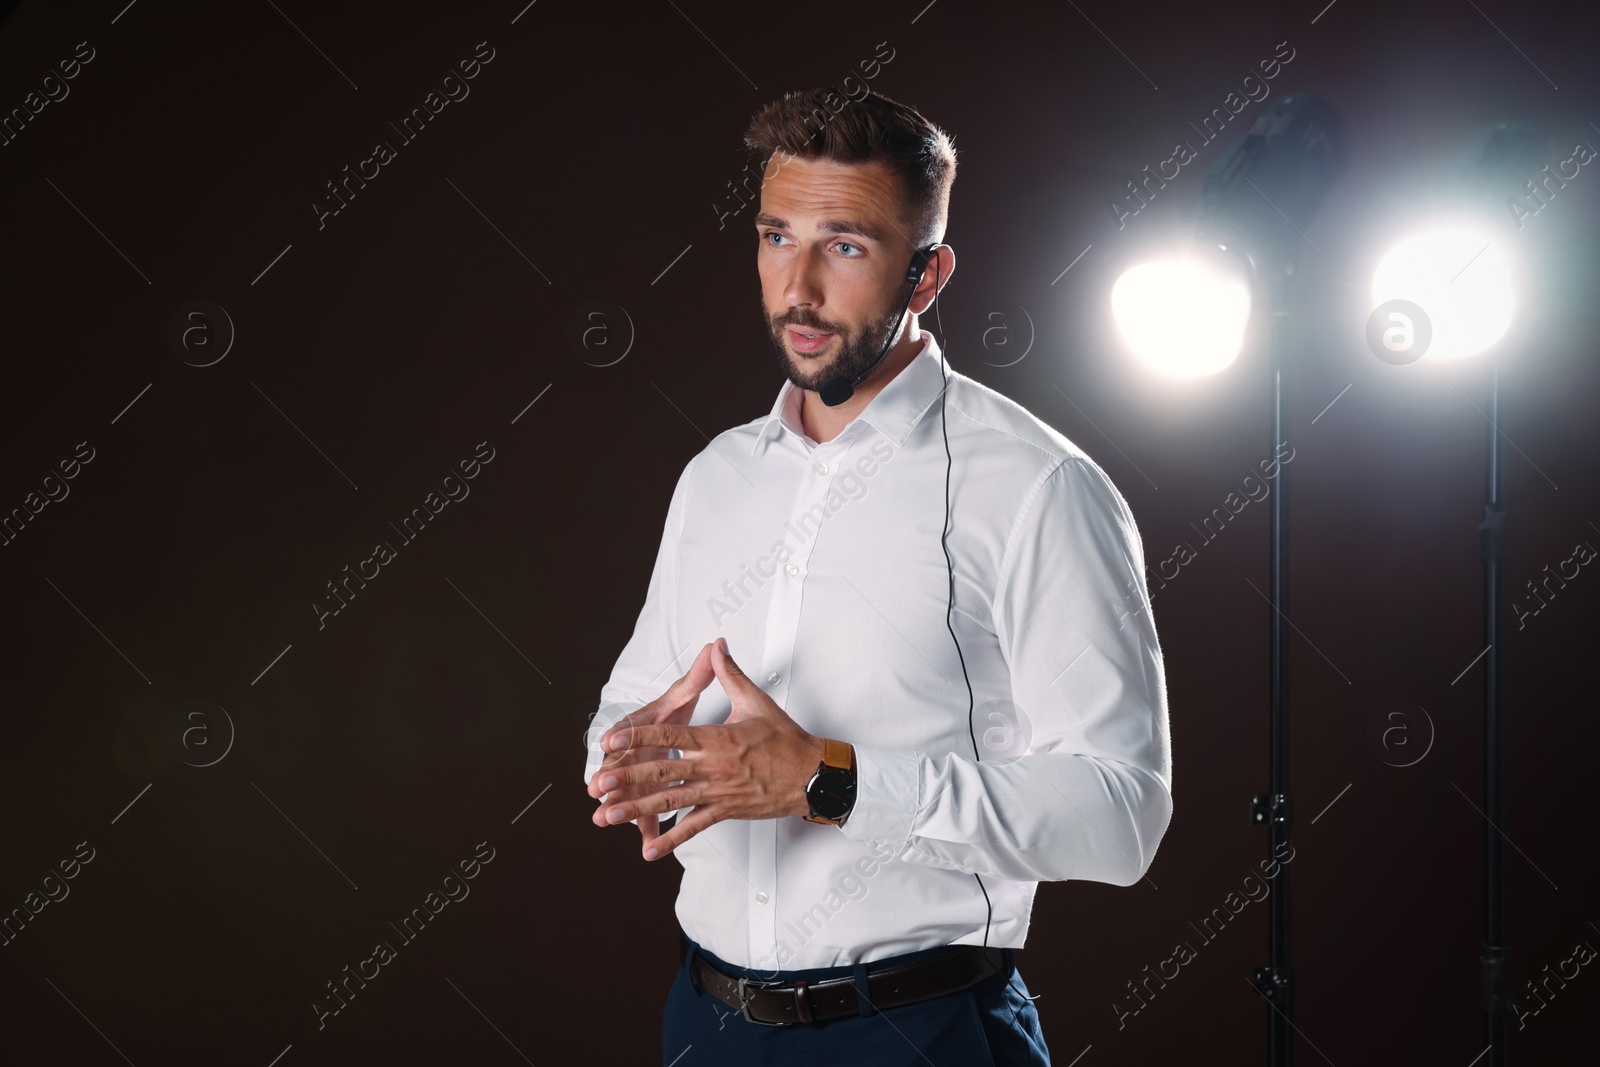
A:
<point x="1183" y="317"/>
<point x="1460" y="278"/>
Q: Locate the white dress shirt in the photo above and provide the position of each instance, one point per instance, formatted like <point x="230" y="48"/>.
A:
<point x="821" y="564"/>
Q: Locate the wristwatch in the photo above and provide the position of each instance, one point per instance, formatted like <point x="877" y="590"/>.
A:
<point x="832" y="790"/>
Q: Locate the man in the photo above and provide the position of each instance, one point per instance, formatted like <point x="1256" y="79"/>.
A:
<point x="937" y="702"/>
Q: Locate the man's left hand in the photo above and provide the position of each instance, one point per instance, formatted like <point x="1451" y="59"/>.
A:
<point x="754" y="765"/>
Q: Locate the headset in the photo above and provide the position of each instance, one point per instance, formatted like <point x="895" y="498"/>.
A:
<point x="837" y="391"/>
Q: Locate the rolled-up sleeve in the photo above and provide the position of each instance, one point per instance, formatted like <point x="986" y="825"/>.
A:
<point x="649" y="661"/>
<point x="1091" y="795"/>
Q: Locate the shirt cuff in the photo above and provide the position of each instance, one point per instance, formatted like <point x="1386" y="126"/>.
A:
<point x="888" y="783"/>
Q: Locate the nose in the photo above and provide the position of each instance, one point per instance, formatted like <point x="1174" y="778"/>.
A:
<point x="802" y="288"/>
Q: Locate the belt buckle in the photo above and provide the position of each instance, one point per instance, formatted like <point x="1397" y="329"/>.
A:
<point x="745" y="986"/>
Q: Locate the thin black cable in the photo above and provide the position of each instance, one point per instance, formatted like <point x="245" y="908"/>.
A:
<point x="950" y="602"/>
<point x="950" y="566"/>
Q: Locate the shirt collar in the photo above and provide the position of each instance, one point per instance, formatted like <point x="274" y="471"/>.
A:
<point x="892" y="412"/>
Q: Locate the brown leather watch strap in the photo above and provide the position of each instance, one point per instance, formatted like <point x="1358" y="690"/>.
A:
<point x="838" y="755"/>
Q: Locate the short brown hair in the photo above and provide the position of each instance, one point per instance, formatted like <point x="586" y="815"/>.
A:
<point x="825" y="124"/>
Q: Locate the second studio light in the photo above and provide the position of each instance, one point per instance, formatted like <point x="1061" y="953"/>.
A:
<point x="1446" y="290"/>
<point x="1459" y="277"/>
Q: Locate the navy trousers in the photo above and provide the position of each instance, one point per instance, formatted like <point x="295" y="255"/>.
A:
<point x="993" y="1024"/>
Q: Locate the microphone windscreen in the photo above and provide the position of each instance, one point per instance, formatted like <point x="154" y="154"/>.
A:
<point x="835" y="392"/>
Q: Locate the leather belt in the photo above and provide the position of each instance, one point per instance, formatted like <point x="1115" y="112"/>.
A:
<point x="889" y="985"/>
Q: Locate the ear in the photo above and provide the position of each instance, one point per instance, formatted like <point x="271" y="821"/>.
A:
<point x="941" y="264"/>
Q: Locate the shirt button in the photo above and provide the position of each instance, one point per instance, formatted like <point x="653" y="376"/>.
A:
<point x="761" y="897"/>
<point x="822" y="468"/>
<point x="791" y="570"/>
<point x="774" y="678"/>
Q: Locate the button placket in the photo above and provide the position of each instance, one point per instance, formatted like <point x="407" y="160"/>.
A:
<point x="782" y="629"/>
<point x="762" y="928"/>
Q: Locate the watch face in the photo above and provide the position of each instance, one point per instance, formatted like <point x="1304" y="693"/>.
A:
<point x="832" y="793"/>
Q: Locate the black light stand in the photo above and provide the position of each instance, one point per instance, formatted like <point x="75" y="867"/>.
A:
<point x="1495" y="961"/>
<point x="1275" y="980"/>
<point x="1257" y="198"/>
<point x="1496" y="165"/>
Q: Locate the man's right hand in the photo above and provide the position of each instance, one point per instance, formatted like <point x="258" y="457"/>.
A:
<point x="675" y="706"/>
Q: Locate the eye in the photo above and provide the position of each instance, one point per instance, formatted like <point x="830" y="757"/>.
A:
<point x="847" y="244"/>
<point x="770" y="233"/>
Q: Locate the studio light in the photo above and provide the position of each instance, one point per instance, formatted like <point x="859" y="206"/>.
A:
<point x="1186" y="315"/>
<point x="1183" y="317"/>
<point x="1449" y="286"/>
<point x="1460" y="274"/>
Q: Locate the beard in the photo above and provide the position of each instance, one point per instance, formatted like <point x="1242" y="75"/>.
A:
<point x="852" y="351"/>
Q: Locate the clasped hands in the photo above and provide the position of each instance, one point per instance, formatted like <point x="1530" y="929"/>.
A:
<point x="754" y="765"/>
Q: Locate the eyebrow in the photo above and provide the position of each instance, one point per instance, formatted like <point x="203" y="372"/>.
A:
<point x="849" y="226"/>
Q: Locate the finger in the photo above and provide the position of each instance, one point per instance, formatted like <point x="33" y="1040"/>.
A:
<point x="639" y="717"/>
<point x="674" y="705"/>
<point x="630" y="795"/>
<point x="727" y="671"/>
<point x="662" y="735"/>
<point x="638" y="774"/>
<point x="622" y="759"/>
<point x="635" y="755"/>
<point x="619" y="797"/>
<point x="699" y="674"/>
<point x="614" y="760"/>
<point x="686" y="827"/>
<point x="678" y="702"/>
<point x="663" y="800"/>
<point x="691" y="682"/>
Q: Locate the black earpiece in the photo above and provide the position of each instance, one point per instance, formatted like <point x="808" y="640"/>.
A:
<point x="919" y="263"/>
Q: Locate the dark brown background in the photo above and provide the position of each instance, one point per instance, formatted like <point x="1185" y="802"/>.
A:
<point x="408" y="330"/>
